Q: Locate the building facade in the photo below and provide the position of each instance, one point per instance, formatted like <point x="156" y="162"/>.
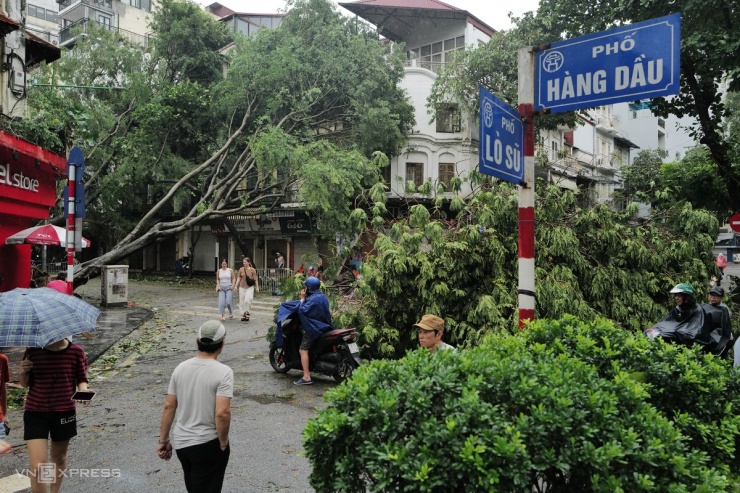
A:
<point x="444" y="144"/>
<point x="28" y="173"/>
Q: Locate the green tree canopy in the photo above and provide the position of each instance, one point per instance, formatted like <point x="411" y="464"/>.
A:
<point x="302" y="109"/>
<point x="589" y="262"/>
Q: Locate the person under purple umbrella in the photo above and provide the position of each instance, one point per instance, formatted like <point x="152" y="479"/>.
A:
<point x="52" y="374"/>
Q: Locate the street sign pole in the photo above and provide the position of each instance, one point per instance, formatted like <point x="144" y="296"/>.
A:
<point x="70" y="226"/>
<point x="75" y="210"/>
<point x="526" y="291"/>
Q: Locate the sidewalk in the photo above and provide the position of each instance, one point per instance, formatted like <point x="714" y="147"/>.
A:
<point x="113" y="325"/>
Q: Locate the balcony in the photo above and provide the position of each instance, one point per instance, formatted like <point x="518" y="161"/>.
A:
<point x="68" y="34"/>
<point x="65" y="4"/>
<point x="435" y="67"/>
<point x="608" y="124"/>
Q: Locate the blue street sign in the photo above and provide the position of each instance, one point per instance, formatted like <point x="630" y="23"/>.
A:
<point x="628" y="63"/>
<point x="501" y="152"/>
<point x="77" y="159"/>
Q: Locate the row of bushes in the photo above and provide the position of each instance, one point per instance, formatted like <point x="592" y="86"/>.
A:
<point x="565" y="406"/>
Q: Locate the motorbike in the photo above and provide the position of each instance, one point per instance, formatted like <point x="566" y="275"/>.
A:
<point x="693" y="331"/>
<point x="182" y="266"/>
<point x="334" y="353"/>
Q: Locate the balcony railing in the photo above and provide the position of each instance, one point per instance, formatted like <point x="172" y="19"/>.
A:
<point x="435" y="67"/>
<point x="64" y="4"/>
<point x="68" y="33"/>
<point x="52" y="38"/>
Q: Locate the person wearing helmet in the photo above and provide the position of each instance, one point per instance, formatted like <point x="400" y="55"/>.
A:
<point x="719" y="316"/>
<point x="315" y="316"/>
<point x="686" y="322"/>
<point x="683" y="295"/>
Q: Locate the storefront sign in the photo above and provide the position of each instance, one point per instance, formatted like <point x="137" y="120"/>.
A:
<point x="299" y="224"/>
<point x="17" y="179"/>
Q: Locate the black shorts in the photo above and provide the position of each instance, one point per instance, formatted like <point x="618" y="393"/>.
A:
<point x="305" y="343"/>
<point x="61" y="426"/>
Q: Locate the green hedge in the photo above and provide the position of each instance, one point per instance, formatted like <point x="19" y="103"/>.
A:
<point x="529" y="413"/>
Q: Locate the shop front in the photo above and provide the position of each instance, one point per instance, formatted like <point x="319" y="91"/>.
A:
<point x="28" y="189"/>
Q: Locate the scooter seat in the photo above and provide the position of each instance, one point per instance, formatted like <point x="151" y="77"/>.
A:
<point x="334" y="332"/>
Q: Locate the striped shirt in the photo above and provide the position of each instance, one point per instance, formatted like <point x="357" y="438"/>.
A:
<point x="54" y="378"/>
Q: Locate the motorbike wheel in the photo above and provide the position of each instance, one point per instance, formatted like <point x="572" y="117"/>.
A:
<point x="278" y="359"/>
<point x="345" y="367"/>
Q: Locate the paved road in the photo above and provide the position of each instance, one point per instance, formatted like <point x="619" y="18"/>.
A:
<point x="117" y="432"/>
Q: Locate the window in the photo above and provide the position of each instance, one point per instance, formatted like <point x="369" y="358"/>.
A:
<point x="448" y="118"/>
<point x="432" y="56"/>
<point x="415" y="173"/>
<point x="104" y="21"/>
<point x="446" y="173"/>
<point x="386" y="172"/>
<point x="35" y="11"/>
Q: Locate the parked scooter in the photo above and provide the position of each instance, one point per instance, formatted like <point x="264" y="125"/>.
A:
<point x="182" y="266"/>
<point x="334" y="353"/>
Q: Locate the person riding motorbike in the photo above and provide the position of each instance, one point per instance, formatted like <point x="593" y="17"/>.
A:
<point x="719" y="316"/>
<point x="687" y="322"/>
<point x="315" y="316"/>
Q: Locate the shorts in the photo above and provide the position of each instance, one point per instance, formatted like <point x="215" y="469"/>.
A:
<point x="305" y="343"/>
<point x="61" y="426"/>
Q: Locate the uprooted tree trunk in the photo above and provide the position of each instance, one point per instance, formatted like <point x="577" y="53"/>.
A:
<point x="220" y="197"/>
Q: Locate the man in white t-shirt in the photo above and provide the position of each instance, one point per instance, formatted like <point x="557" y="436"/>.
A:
<point x="199" y="404"/>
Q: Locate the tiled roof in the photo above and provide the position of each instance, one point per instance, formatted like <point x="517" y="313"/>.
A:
<point x="397" y="19"/>
<point x="408" y="4"/>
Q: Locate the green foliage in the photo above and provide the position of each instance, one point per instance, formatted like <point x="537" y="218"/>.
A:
<point x="641" y="179"/>
<point x="694" y="179"/>
<point x="589" y="262"/>
<point x="300" y="112"/>
<point x="520" y="414"/>
<point x="188" y="40"/>
<point x="699" y="392"/>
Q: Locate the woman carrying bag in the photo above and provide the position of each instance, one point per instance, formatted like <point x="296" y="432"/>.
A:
<point x="248" y="285"/>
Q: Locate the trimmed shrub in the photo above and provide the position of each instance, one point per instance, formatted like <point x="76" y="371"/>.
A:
<point x="698" y="391"/>
<point x="514" y="415"/>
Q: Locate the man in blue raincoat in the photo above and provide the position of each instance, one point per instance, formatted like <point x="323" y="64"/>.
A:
<point x="315" y="315"/>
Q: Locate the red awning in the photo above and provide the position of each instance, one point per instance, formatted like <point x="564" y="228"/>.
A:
<point x="12" y="149"/>
<point x="7" y="25"/>
<point x="39" y="50"/>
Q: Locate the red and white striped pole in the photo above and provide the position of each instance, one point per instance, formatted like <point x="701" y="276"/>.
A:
<point x="71" y="169"/>
<point x="526" y="190"/>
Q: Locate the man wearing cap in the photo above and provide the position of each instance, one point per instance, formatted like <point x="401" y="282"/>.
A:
<point x="719" y="315"/>
<point x="199" y="404"/>
<point x="431" y="329"/>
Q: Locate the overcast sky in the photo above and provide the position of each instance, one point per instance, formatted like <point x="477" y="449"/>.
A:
<point x="492" y="13"/>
